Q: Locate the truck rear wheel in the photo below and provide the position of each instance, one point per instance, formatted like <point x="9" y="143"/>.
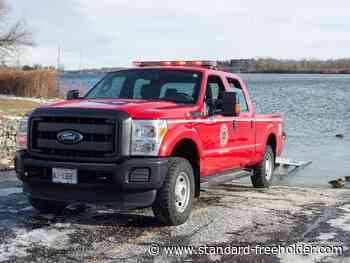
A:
<point x="263" y="172"/>
<point x="47" y="206"/>
<point x="174" y="199"/>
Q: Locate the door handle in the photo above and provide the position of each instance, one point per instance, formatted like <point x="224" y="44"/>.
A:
<point x="234" y="124"/>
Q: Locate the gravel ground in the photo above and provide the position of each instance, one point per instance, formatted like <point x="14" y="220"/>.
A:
<point x="228" y="214"/>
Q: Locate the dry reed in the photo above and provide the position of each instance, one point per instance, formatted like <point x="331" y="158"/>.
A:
<point x="32" y="83"/>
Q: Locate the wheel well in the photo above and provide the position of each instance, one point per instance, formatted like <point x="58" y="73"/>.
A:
<point x="187" y="149"/>
<point x="272" y="142"/>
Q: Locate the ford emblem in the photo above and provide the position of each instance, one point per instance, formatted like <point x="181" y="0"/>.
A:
<point x="69" y="137"/>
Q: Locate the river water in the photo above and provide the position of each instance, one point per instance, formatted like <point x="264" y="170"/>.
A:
<point x="315" y="108"/>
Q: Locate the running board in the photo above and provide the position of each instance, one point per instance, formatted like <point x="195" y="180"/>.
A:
<point x="224" y="177"/>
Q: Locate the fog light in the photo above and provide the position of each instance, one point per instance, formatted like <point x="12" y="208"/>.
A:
<point x="139" y="175"/>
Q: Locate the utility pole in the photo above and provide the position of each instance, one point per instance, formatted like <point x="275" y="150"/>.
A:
<point x="58" y="57"/>
<point x="58" y="69"/>
<point x="18" y="59"/>
<point x="80" y="59"/>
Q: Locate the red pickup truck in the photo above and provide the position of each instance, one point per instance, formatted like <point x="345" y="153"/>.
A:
<point x="146" y="136"/>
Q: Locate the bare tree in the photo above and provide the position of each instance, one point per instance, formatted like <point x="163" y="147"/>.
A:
<point x="12" y="36"/>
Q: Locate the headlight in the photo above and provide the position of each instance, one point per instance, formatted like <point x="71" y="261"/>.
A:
<point x="147" y="136"/>
<point x="22" y="134"/>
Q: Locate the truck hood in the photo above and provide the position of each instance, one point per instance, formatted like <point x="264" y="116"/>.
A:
<point x="138" y="109"/>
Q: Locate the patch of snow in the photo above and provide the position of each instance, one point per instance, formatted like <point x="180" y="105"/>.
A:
<point x="327" y="236"/>
<point x="292" y="258"/>
<point x="11" y="117"/>
<point x="342" y="222"/>
<point x="214" y="257"/>
<point x="38" y="100"/>
<point x="51" y="238"/>
<point x="309" y="257"/>
<point x="6" y="252"/>
<point x="63" y="225"/>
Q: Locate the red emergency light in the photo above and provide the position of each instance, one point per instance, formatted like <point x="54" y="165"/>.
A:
<point x="192" y="63"/>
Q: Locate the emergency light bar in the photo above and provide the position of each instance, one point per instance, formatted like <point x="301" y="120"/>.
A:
<point x="193" y="63"/>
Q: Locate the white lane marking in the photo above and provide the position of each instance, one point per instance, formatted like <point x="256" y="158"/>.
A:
<point x="10" y="191"/>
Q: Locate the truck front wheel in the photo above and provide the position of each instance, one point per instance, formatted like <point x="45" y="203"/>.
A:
<point x="47" y="206"/>
<point x="174" y="199"/>
<point x="263" y="172"/>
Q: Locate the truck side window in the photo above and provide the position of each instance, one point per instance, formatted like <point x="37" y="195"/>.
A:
<point x="214" y="90"/>
<point x="215" y="87"/>
<point x="236" y="87"/>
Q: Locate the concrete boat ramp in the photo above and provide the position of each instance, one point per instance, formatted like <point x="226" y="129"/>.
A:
<point x="226" y="215"/>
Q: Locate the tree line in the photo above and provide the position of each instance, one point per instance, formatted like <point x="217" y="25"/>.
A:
<point x="272" y="65"/>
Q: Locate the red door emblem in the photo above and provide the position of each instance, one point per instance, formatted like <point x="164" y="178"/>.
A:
<point x="223" y="135"/>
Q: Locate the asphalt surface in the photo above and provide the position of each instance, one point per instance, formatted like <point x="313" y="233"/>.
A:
<point x="225" y="215"/>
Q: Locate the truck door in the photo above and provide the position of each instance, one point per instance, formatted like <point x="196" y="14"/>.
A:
<point x="242" y="141"/>
<point x="216" y="131"/>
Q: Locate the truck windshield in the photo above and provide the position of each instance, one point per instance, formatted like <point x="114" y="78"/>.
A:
<point x="180" y="86"/>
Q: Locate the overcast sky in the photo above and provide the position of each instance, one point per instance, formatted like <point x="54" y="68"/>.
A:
<point x="114" y="32"/>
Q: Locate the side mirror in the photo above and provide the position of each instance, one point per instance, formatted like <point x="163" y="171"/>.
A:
<point x="230" y="104"/>
<point x="72" y="95"/>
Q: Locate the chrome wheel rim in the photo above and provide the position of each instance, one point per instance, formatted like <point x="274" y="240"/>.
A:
<point x="182" y="192"/>
<point x="268" y="167"/>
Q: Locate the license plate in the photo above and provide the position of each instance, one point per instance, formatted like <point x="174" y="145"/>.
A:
<point x="64" y="176"/>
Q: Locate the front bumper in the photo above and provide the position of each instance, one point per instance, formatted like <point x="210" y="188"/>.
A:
<point x="115" y="183"/>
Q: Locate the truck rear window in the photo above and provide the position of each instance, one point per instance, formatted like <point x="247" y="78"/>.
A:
<point x="180" y="86"/>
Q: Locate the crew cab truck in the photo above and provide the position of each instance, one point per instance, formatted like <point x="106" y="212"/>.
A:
<point x="146" y="136"/>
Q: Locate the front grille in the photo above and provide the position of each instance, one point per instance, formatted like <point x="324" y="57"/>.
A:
<point x="99" y="137"/>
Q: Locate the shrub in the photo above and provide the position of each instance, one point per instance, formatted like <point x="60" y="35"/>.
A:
<point x="34" y="83"/>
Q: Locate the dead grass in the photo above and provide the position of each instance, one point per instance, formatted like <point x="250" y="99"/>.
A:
<point x="32" y="83"/>
<point x="15" y="107"/>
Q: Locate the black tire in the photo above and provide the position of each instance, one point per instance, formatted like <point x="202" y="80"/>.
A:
<point x="166" y="207"/>
<point x="47" y="206"/>
<point x="259" y="178"/>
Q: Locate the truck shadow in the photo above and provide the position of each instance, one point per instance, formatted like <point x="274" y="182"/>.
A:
<point x="106" y="216"/>
<point x="16" y="209"/>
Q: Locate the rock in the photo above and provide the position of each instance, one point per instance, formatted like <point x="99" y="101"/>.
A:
<point x="339" y="183"/>
<point x="8" y="129"/>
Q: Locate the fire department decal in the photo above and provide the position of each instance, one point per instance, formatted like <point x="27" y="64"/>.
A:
<point x="223" y="135"/>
